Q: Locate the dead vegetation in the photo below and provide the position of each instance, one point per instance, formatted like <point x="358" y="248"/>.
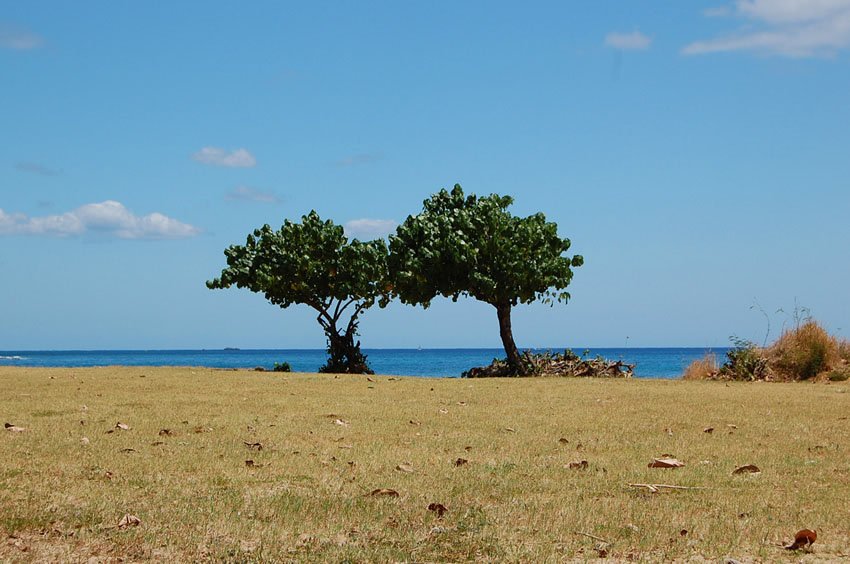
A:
<point x="567" y="364"/>
<point x="807" y="352"/>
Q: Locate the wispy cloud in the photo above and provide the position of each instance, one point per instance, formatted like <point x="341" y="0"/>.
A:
<point x="790" y="28"/>
<point x="109" y="218"/>
<point x="366" y="228"/>
<point x="216" y="156"/>
<point x="362" y="158"/>
<point x="633" y="41"/>
<point x="19" y="39"/>
<point x="717" y="12"/>
<point x="36" y="168"/>
<point x="248" y="194"/>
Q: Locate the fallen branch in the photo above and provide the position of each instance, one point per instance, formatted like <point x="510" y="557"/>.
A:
<point x="655" y="487"/>
<point x="588" y="535"/>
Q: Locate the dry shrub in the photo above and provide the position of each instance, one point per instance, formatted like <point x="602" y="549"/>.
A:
<point x="805" y="352"/>
<point x="704" y="368"/>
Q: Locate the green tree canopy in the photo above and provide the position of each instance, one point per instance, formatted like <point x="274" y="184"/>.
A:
<point x="314" y="263"/>
<point x="469" y="245"/>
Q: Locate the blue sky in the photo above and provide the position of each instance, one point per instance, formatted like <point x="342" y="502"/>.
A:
<point x="696" y="153"/>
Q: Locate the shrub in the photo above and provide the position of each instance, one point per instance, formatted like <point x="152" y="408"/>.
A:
<point x="745" y="361"/>
<point x="704" y="368"/>
<point x="839" y="375"/>
<point x="281" y="367"/>
<point x="804" y="352"/>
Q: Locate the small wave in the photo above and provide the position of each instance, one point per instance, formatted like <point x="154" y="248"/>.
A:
<point x="11" y="357"/>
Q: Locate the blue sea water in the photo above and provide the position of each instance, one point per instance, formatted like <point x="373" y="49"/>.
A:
<point x="650" y="362"/>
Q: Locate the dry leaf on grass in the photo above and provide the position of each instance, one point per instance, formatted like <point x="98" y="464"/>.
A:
<point x="122" y="426"/>
<point x="253" y="446"/>
<point x="85" y="440"/>
<point x="415" y="422"/>
<point x="166" y="433"/>
<point x="443" y="410"/>
<point x="251" y="464"/>
<point x="406" y="468"/>
<point x="563" y="441"/>
<point x="382" y="492"/>
<point x="803" y="539"/>
<point x="14" y="428"/>
<point x="665" y="463"/>
<point x="128" y="521"/>
<point x="369" y="379"/>
<point x="577" y="465"/>
<point x="341" y="422"/>
<point x="201" y="429"/>
<point x="747" y="469"/>
<point x="708" y="430"/>
<point x="437" y="508"/>
<point x="732" y="426"/>
<point x="128" y="450"/>
<point x="461" y="462"/>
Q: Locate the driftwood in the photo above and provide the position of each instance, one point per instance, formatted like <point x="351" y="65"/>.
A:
<point x="556" y="364"/>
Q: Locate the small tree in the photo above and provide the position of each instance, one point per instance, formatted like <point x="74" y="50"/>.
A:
<point x="313" y="263"/>
<point x="466" y="245"/>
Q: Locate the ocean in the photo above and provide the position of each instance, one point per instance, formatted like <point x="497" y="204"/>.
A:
<point x="650" y="362"/>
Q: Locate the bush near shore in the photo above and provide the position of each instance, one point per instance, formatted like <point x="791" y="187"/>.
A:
<point x="807" y="352"/>
<point x="555" y="364"/>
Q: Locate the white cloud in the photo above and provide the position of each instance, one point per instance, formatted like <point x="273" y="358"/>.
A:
<point x="109" y="218"/>
<point x="19" y="39"/>
<point x="370" y="228"/>
<point x="628" y="41"/>
<point x="248" y="194"/>
<point x="791" y="28"/>
<point x="240" y="158"/>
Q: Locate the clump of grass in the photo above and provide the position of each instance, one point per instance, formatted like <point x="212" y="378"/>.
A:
<point x="704" y="368"/>
<point x="804" y="352"/>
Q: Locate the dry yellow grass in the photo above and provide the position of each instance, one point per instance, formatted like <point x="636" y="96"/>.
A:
<point x="305" y="498"/>
<point x="704" y="368"/>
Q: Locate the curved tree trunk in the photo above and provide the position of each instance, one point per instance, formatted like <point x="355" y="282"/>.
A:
<point x="514" y="359"/>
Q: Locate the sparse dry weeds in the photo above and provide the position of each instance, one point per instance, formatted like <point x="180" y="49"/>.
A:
<point x="181" y="468"/>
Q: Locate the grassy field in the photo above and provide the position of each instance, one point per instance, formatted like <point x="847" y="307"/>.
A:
<point x="321" y="444"/>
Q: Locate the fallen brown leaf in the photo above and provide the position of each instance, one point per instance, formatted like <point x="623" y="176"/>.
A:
<point x="415" y="422"/>
<point x="201" y="429"/>
<point x="406" y="468"/>
<point x="461" y="461"/>
<point x="341" y="422"/>
<point x="563" y="441"/>
<point x="665" y="463"/>
<point x="437" y="508"/>
<point x="128" y="521"/>
<point x="443" y="410"/>
<point x="85" y="440"/>
<point x="166" y="433"/>
<point x="369" y="379"/>
<point x="804" y="538"/>
<point x="253" y="446"/>
<point x="577" y="465"/>
<point x="708" y="430"/>
<point x="14" y="428"/>
<point x="128" y="450"/>
<point x="747" y="469"/>
<point x="122" y="426"/>
<point x="383" y="492"/>
<point x="510" y="429"/>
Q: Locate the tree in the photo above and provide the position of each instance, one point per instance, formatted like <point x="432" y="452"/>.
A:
<point x="313" y="263"/>
<point x="472" y="246"/>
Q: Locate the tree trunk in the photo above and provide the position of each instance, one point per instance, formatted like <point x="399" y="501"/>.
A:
<point x="344" y="355"/>
<point x="505" y="331"/>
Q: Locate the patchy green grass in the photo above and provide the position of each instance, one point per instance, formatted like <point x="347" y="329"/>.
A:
<point x="320" y="444"/>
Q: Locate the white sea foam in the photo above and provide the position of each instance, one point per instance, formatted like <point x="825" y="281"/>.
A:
<point x="11" y="357"/>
